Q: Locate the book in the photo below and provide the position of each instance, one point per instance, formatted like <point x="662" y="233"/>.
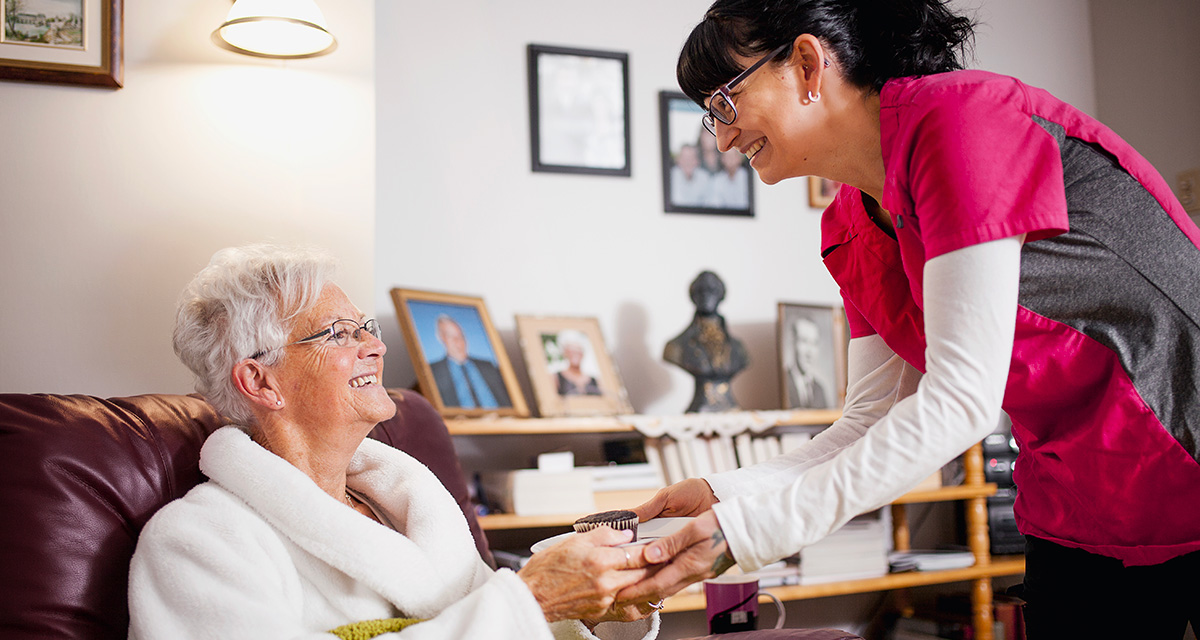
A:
<point x="624" y="477"/>
<point x="930" y="560"/>
<point x="530" y="492"/>
<point x="857" y="550"/>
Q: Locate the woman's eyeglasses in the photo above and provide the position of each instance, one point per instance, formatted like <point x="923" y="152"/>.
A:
<point x="343" y="333"/>
<point x="720" y="104"/>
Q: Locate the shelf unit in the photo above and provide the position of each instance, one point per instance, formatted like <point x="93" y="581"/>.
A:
<point x="973" y="492"/>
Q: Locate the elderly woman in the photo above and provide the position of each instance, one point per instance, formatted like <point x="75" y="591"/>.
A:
<point x="305" y="526"/>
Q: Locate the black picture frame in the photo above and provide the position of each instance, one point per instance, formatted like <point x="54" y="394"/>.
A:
<point x="579" y="111"/>
<point x="713" y="188"/>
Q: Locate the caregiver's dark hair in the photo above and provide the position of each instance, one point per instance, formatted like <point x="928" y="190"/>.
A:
<point x="872" y="41"/>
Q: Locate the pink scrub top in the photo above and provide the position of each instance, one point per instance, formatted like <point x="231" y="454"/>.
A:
<point x="1104" y="384"/>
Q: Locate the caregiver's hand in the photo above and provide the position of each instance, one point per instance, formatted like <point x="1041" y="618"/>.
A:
<point x="696" y="552"/>
<point x="690" y="497"/>
<point x="579" y="578"/>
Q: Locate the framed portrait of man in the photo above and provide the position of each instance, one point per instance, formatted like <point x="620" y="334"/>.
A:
<point x="812" y="356"/>
<point x="460" y="363"/>
<point x="570" y="370"/>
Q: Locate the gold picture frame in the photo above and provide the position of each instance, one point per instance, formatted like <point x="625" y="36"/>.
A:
<point x="812" y="341"/>
<point x="570" y="369"/>
<point x="460" y="362"/>
<point x="821" y="191"/>
<point x="80" y="46"/>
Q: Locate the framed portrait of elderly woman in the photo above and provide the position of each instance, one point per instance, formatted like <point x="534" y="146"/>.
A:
<point x="458" y="357"/>
<point x="812" y="356"/>
<point x="570" y="370"/>
<point x="63" y="42"/>
<point x="697" y="176"/>
<point x="579" y="110"/>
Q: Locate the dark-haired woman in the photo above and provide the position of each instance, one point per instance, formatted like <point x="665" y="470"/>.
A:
<point x="996" y="249"/>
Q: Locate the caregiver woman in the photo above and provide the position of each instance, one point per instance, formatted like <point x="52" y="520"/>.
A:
<point x="996" y="249"/>
<point x="306" y="526"/>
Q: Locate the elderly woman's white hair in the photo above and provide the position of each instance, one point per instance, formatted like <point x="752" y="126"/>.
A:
<point x="242" y="305"/>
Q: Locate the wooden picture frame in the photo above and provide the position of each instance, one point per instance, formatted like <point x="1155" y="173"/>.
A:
<point x="57" y="43"/>
<point x="696" y="176"/>
<point x="821" y="191"/>
<point x="435" y="326"/>
<point x="812" y="342"/>
<point x="579" y="111"/>
<point x="549" y="345"/>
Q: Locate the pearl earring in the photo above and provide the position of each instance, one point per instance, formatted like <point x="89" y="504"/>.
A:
<point x="279" y="403"/>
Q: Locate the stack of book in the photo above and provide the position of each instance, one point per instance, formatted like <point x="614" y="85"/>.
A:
<point x="930" y="560"/>
<point x="705" y="454"/>
<point x="858" y="550"/>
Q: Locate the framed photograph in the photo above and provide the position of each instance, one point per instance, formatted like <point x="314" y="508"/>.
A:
<point x="821" y="191"/>
<point x="570" y="369"/>
<point x="579" y="110"/>
<point x="812" y="356"/>
<point x="461" y="364"/>
<point x="697" y="177"/>
<point x="62" y="41"/>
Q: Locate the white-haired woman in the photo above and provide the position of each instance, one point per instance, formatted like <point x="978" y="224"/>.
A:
<point x="573" y="380"/>
<point x="305" y="526"/>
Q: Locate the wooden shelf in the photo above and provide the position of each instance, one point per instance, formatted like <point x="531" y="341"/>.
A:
<point x="597" y="424"/>
<point x="973" y="493"/>
<point x="624" y="500"/>
<point x="999" y="566"/>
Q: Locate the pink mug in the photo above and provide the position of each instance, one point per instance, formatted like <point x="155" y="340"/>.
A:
<point x="732" y="603"/>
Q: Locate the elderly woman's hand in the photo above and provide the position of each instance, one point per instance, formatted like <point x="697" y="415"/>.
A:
<point x="579" y="578"/>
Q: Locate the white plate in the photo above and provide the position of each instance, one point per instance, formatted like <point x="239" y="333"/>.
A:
<point x="649" y="530"/>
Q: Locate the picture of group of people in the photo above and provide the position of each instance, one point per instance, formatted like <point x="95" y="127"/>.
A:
<point x="697" y="176"/>
<point x="703" y="176"/>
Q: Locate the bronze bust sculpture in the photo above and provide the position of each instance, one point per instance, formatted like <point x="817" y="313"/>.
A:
<point x="706" y="350"/>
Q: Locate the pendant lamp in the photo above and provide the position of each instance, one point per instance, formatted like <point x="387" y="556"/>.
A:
<point x="275" y="29"/>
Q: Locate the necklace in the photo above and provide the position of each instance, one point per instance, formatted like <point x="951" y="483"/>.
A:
<point x="351" y="501"/>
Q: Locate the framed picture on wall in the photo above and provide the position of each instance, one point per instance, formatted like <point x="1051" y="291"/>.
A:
<point x="697" y="177"/>
<point x="461" y="364"/>
<point x="821" y="191"/>
<point x="570" y="369"/>
<point x="62" y="41"/>
<point x="812" y="356"/>
<point x="579" y="110"/>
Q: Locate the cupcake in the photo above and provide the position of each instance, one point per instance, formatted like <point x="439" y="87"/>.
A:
<point x="621" y="519"/>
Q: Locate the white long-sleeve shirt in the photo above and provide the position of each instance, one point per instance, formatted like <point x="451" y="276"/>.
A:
<point x="898" y="426"/>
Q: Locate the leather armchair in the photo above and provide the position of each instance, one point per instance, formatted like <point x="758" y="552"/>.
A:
<point x="80" y="476"/>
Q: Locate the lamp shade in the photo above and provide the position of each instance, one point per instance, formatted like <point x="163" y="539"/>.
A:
<point x="275" y="29"/>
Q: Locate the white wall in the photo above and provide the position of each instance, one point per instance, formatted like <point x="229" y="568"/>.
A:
<point x="1148" y="80"/>
<point x="111" y="200"/>
<point x="460" y="211"/>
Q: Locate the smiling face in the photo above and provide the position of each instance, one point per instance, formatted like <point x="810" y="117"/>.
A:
<point x="783" y="133"/>
<point x="331" y="387"/>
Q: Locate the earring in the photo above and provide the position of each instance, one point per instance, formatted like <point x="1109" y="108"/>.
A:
<point x="814" y="97"/>
<point x="279" y="403"/>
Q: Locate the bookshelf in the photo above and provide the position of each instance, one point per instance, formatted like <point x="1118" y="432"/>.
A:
<point x="973" y="493"/>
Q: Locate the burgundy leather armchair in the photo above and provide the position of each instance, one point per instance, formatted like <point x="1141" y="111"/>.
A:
<point x="80" y="476"/>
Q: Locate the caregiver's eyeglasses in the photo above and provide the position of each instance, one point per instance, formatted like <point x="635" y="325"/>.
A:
<point x="343" y="333"/>
<point x="720" y="104"/>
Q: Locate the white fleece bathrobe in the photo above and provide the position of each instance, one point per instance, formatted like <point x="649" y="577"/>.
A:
<point x="261" y="552"/>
